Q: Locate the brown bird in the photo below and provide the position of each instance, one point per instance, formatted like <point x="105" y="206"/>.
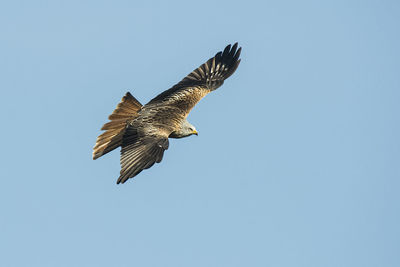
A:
<point x="142" y="132"/>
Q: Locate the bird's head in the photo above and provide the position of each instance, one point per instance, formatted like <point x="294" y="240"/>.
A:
<point x="189" y="129"/>
<point x="185" y="130"/>
<point x="193" y="131"/>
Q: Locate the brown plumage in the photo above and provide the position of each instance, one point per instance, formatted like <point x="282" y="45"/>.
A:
<point x="143" y="131"/>
<point x="126" y="110"/>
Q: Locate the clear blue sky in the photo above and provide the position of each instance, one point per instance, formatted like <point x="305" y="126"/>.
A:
<point x="297" y="158"/>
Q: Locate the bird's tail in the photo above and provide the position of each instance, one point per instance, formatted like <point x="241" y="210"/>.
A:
<point x="125" y="111"/>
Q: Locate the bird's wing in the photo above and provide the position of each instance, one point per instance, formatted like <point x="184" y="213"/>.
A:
<point x="140" y="151"/>
<point x="201" y="81"/>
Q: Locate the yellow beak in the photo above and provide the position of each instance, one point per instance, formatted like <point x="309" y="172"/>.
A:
<point x="195" y="132"/>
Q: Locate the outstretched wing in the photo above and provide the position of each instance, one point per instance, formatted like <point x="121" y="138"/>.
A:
<point x="201" y="81"/>
<point x="140" y="152"/>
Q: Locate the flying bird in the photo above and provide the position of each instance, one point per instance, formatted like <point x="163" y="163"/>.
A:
<point x="142" y="132"/>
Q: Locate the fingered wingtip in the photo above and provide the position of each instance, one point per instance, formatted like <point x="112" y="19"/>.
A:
<point x="234" y="47"/>
<point x="231" y="51"/>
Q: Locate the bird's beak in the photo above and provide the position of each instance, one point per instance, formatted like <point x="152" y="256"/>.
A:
<point x="195" y="132"/>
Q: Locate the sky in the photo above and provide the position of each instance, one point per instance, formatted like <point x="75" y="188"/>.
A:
<point x="297" y="158"/>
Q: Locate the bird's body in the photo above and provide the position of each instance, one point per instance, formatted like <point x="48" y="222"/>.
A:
<point x="143" y="131"/>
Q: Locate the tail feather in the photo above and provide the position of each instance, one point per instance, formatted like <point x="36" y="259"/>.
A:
<point x="125" y="111"/>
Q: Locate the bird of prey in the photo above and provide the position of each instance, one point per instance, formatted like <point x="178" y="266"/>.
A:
<point x="142" y="132"/>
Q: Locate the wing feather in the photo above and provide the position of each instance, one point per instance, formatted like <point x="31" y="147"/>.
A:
<point x="140" y="152"/>
<point x="206" y="78"/>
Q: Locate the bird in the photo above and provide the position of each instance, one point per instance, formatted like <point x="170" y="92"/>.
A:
<point x="142" y="131"/>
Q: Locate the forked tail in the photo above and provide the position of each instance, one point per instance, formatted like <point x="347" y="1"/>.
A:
<point x="125" y="111"/>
